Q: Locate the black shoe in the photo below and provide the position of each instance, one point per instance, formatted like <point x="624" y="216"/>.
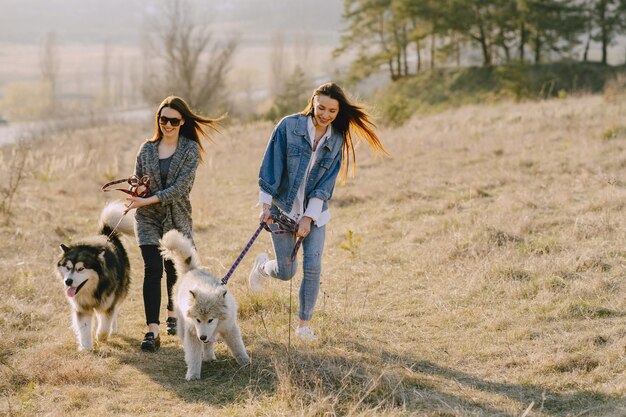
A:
<point x="171" y="325"/>
<point x="149" y="343"/>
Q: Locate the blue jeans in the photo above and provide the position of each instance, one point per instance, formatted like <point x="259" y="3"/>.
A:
<point x="283" y="269"/>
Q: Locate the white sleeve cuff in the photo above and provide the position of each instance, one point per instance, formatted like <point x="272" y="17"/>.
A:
<point x="314" y="208"/>
<point x="264" y="198"/>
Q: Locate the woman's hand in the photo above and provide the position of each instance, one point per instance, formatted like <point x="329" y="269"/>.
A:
<point x="136" y="202"/>
<point x="304" y="227"/>
<point x="141" y="189"/>
<point x="264" y="216"/>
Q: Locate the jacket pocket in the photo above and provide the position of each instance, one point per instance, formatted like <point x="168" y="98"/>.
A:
<point x="293" y="150"/>
<point x="326" y="163"/>
<point x="320" y="169"/>
<point x="294" y="155"/>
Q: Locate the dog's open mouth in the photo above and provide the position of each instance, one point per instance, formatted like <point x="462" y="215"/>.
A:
<point x="72" y="291"/>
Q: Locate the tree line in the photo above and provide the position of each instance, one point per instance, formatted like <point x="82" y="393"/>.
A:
<point x="407" y="36"/>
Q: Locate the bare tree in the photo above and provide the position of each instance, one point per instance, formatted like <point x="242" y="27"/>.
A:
<point x="16" y="173"/>
<point x="293" y="97"/>
<point x="289" y="88"/>
<point x="119" y="95"/>
<point x="106" y="76"/>
<point x="49" y="64"/>
<point x="185" y="60"/>
<point x="135" y="78"/>
<point x="278" y="68"/>
<point x="302" y="49"/>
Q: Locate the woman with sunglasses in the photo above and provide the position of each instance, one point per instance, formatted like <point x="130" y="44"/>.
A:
<point x="170" y="159"/>
<point x="303" y="158"/>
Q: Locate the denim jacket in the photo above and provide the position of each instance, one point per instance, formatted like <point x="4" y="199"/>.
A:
<point x="286" y="160"/>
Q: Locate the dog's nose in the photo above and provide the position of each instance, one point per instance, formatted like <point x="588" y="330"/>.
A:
<point x="69" y="282"/>
<point x="203" y="338"/>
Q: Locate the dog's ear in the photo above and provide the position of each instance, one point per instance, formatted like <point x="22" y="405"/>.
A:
<point x="193" y="294"/>
<point x="63" y="248"/>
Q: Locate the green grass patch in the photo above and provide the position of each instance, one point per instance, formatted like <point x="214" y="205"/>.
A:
<point x="442" y="88"/>
<point x="614" y="133"/>
<point x="539" y="246"/>
<point x="586" y="310"/>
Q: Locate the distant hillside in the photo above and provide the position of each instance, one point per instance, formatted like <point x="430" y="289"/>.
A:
<point x="449" y="87"/>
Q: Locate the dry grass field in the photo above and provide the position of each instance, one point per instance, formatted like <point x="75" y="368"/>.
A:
<point x="480" y="272"/>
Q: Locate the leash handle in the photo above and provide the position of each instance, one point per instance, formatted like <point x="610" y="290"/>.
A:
<point x="294" y="251"/>
<point x="290" y="226"/>
<point x="134" y="182"/>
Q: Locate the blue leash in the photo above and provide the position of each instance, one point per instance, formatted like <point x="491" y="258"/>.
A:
<point x="287" y="226"/>
<point x="262" y="226"/>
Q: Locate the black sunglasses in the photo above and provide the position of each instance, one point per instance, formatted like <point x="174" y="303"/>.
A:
<point x="174" y="121"/>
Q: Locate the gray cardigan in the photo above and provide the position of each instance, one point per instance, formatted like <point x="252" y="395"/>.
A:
<point x="174" y="210"/>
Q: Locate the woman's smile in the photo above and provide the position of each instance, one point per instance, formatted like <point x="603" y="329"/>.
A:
<point x="167" y="114"/>
<point x="325" y="109"/>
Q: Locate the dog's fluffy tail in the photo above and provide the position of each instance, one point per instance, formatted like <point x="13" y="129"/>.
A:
<point x="179" y="248"/>
<point x="113" y="215"/>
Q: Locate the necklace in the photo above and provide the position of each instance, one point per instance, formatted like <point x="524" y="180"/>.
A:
<point x="316" y="142"/>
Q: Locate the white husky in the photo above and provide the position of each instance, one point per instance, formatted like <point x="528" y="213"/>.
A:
<point x="204" y="308"/>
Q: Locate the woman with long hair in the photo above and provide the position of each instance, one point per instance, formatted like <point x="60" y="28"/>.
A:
<point x="169" y="159"/>
<point x="304" y="155"/>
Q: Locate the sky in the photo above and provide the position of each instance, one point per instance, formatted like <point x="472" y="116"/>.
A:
<point x="85" y="29"/>
<point x="121" y="21"/>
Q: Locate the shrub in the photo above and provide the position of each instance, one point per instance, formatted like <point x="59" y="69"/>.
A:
<point x="27" y="101"/>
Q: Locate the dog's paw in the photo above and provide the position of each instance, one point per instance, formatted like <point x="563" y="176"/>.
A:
<point x="209" y="358"/>
<point x="192" y="377"/>
<point x="87" y="348"/>
<point x="102" y="337"/>
<point x="243" y="360"/>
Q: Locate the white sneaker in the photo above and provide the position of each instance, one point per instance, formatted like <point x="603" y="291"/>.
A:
<point x="305" y="333"/>
<point x="256" y="280"/>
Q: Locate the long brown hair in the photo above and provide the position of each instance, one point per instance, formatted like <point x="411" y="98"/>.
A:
<point x="352" y="120"/>
<point x="194" y="125"/>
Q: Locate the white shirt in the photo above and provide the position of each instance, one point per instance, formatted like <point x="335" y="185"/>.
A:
<point x="314" y="208"/>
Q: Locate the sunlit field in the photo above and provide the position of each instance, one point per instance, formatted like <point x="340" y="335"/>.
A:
<point x="479" y="272"/>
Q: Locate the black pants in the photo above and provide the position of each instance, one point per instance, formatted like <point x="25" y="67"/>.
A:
<point x="153" y="272"/>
